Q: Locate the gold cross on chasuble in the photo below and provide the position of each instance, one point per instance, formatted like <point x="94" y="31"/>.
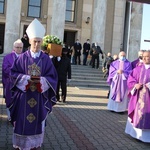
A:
<point x="34" y="70"/>
<point x="31" y="117"/>
<point x="32" y="102"/>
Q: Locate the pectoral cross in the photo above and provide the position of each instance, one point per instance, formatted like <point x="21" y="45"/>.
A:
<point x="34" y="70"/>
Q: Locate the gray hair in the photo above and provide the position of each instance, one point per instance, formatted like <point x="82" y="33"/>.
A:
<point x="18" y="42"/>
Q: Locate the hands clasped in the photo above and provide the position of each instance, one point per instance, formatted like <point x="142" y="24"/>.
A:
<point x="119" y="71"/>
<point x="26" y="81"/>
<point x="138" y="86"/>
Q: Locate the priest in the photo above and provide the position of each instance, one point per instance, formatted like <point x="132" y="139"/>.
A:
<point x="8" y="60"/>
<point x="139" y="60"/>
<point x="138" y="123"/>
<point x="34" y="82"/>
<point x="117" y="79"/>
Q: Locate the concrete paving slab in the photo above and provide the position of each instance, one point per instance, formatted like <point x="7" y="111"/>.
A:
<point x="83" y="123"/>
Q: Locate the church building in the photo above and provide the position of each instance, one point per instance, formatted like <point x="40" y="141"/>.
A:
<point x="114" y="24"/>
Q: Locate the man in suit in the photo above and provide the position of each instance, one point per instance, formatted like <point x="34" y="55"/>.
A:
<point x="63" y="68"/>
<point x="95" y="55"/>
<point x="77" y="49"/>
<point x="86" y="49"/>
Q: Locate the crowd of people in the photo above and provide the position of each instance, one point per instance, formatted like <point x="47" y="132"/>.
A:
<point x="90" y="53"/>
<point x="35" y="79"/>
<point x="130" y="91"/>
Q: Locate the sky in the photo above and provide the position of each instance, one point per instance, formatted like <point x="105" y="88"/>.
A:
<point x="145" y="27"/>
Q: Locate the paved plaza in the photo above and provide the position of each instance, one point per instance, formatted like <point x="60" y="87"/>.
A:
<point x="84" y="123"/>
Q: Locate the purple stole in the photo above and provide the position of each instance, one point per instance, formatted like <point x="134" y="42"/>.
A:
<point x="141" y="115"/>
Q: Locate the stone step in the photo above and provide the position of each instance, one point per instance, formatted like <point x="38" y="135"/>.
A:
<point x="89" y="81"/>
<point x="76" y="81"/>
<point x="86" y="76"/>
<point x="79" y="74"/>
<point x="86" y="70"/>
<point x="89" y="85"/>
<point x="84" y="67"/>
<point x="89" y="77"/>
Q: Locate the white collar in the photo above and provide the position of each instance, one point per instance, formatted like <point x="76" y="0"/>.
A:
<point x="36" y="54"/>
<point x="17" y="54"/>
<point x="147" y="66"/>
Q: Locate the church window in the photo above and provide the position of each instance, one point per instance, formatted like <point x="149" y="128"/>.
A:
<point x="2" y="2"/>
<point x="70" y="10"/>
<point x="34" y="8"/>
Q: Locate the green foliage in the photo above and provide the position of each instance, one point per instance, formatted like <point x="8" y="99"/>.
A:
<point x="51" y="39"/>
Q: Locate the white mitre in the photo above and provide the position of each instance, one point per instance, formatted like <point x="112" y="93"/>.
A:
<point x="35" y="29"/>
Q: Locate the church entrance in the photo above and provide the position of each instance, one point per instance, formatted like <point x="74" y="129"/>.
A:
<point x="69" y="37"/>
<point x="2" y="31"/>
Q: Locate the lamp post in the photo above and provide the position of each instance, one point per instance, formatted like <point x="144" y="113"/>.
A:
<point x="87" y="20"/>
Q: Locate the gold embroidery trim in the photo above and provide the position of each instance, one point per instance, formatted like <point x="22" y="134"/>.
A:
<point x="34" y="70"/>
<point x="32" y="102"/>
<point x="31" y="117"/>
<point x="33" y="87"/>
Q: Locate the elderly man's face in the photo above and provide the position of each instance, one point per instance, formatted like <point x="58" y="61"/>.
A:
<point x="146" y="57"/>
<point x="18" y="48"/>
<point x="35" y="44"/>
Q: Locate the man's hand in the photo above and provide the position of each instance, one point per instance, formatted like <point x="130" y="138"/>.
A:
<point x="119" y="71"/>
<point x="138" y="86"/>
<point x="58" y="58"/>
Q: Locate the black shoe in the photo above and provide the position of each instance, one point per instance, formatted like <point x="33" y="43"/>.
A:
<point x="121" y="113"/>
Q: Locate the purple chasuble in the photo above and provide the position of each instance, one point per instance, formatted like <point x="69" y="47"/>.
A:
<point x="8" y="61"/>
<point x="136" y="63"/>
<point x="139" y="104"/>
<point x="117" y="81"/>
<point x="30" y="108"/>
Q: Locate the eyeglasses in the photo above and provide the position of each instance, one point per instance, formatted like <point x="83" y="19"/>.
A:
<point x="19" y="47"/>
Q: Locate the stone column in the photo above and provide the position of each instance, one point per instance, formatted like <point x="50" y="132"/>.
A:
<point x="86" y="27"/>
<point x="99" y="19"/>
<point x="118" y="27"/>
<point x="58" y="18"/>
<point x="135" y="30"/>
<point x="12" y="26"/>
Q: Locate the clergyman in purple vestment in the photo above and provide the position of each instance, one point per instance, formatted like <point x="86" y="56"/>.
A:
<point x="34" y="80"/>
<point x="118" y="75"/>
<point x="8" y="61"/>
<point x="138" y="61"/>
<point x="138" y="123"/>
